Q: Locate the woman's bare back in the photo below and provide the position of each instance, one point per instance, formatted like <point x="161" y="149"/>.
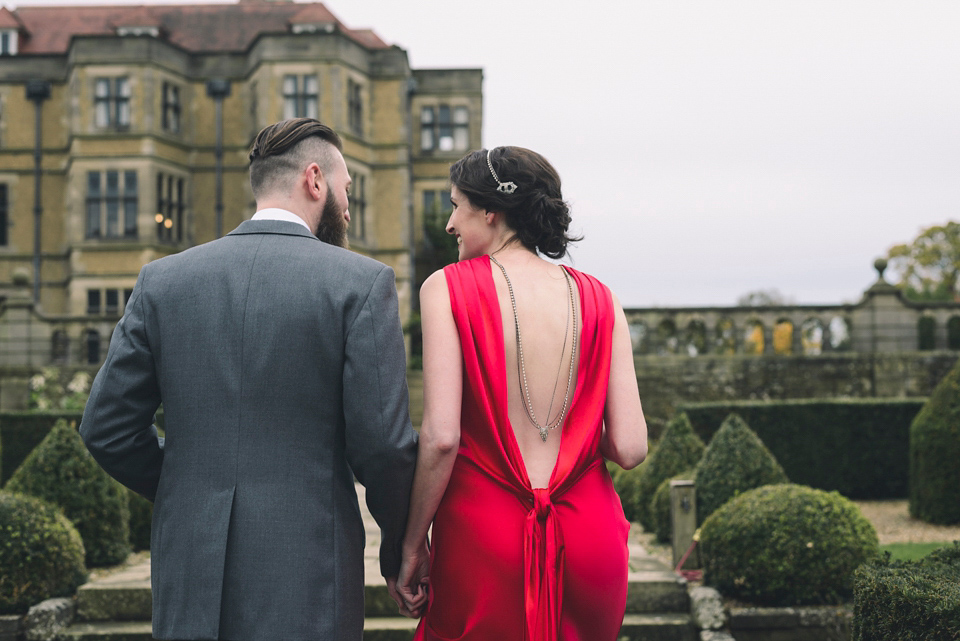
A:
<point x="547" y="331"/>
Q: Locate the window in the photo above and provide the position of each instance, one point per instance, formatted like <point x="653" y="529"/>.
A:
<point x="357" y="202"/>
<point x="355" y="107"/>
<point x="170" y="208"/>
<point x="444" y="129"/>
<point x="300" y="96"/>
<point x="926" y="328"/>
<point x="171" y="107"/>
<point x="4" y="217"/>
<point x="436" y="211"/>
<point x="59" y="346"/>
<point x="112" y="305"/>
<point x="93" y="301"/>
<point x="92" y="340"/>
<point x="436" y="206"/>
<point x="953" y="332"/>
<point x="112" y="102"/>
<point x="107" y="199"/>
<point x="107" y="301"/>
<point x="8" y="42"/>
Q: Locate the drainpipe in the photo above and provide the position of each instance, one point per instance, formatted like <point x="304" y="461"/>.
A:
<point x="37" y="91"/>
<point x="218" y="89"/>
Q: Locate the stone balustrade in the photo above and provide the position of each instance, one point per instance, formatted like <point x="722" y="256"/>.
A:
<point x="882" y="321"/>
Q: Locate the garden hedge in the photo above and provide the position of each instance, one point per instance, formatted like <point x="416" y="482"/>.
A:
<point x="61" y="470"/>
<point x="735" y="461"/>
<point x="935" y="455"/>
<point x="141" y="518"/>
<point x="22" y="431"/>
<point x="41" y="554"/>
<point x="856" y="447"/>
<point x="786" y="545"/>
<point x="678" y="449"/>
<point x="908" y="600"/>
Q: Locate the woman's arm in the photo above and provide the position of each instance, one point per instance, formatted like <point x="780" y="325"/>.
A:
<point x="439" y="433"/>
<point x="625" y="430"/>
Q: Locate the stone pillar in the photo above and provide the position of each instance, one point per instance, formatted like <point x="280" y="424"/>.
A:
<point x="683" y="518"/>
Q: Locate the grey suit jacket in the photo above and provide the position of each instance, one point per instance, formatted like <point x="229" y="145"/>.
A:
<point x="280" y="364"/>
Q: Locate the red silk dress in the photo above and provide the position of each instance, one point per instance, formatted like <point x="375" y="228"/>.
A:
<point x="510" y="562"/>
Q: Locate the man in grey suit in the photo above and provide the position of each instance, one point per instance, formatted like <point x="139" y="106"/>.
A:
<point x="280" y="363"/>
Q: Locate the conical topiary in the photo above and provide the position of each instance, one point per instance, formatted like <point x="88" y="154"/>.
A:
<point x="61" y="470"/>
<point x="735" y="461"/>
<point x="679" y="449"/>
<point x="934" y="452"/>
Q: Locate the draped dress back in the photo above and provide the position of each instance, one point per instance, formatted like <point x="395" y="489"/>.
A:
<point x="511" y="562"/>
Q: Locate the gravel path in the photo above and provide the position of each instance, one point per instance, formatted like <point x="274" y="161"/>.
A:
<point x="894" y="524"/>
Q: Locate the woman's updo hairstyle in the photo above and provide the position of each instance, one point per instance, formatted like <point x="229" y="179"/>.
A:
<point x="535" y="209"/>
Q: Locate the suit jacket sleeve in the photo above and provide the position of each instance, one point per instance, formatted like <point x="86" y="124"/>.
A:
<point x="380" y="442"/>
<point x="117" y="424"/>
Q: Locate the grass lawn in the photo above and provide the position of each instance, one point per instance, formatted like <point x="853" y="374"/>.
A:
<point x="910" y="551"/>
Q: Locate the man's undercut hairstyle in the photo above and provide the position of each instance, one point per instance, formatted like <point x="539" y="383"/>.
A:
<point x="281" y="151"/>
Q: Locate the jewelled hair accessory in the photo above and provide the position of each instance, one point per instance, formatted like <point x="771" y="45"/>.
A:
<point x="503" y="188"/>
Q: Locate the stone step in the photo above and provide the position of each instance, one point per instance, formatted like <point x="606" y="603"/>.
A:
<point x="636" y="627"/>
<point x="379" y="629"/>
<point x="656" y="591"/>
<point x="109" y="631"/>
<point x="658" y="627"/>
<point x="647" y="592"/>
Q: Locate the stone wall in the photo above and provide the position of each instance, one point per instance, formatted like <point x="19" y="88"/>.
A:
<point x="666" y="381"/>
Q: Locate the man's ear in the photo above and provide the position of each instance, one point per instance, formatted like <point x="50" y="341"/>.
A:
<point x="315" y="183"/>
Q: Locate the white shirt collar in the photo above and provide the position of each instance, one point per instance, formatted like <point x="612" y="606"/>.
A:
<point x="274" y="213"/>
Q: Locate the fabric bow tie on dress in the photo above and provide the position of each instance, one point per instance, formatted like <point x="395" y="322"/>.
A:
<point x="543" y="568"/>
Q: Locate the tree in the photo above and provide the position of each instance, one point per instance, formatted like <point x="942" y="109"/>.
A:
<point x="928" y="267"/>
<point x="764" y="298"/>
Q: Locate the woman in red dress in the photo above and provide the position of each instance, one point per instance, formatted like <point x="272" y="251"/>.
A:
<point x="529" y="384"/>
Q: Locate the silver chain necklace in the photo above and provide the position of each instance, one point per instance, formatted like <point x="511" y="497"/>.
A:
<point x="522" y="370"/>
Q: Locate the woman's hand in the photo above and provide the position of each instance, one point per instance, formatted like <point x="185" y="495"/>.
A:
<point x="413" y="584"/>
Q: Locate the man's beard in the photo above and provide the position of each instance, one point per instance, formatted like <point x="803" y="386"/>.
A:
<point x="332" y="228"/>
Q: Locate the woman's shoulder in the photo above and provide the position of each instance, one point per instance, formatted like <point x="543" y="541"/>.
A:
<point x="466" y="270"/>
<point x="589" y="280"/>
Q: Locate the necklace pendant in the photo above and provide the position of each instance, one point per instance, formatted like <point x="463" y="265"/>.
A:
<point x="543" y="433"/>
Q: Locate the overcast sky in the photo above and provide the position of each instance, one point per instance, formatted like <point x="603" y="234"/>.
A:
<point x="715" y="148"/>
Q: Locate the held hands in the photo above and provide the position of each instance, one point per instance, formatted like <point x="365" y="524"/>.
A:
<point x="410" y="590"/>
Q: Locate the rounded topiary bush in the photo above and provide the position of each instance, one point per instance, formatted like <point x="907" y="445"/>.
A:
<point x="61" y="470"/>
<point x="786" y="545"/>
<point x="678" y="449"/>
<point x="934" y="452"/>
<point x="735" y="461"/>
<point x="908" y="600"/>
<point x="141" y="517"/>
<point x="660" y="506"/>
<point x="41" y="553"/>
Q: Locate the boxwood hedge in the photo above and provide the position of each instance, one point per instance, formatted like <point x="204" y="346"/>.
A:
<point x="61" y="470"/>
<point x="908" y="600"/>
<point x="853" y="446"/>
<point x="935" y="455"/>
<point x="785" y="545"/>
<point x="41" y="554"/>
